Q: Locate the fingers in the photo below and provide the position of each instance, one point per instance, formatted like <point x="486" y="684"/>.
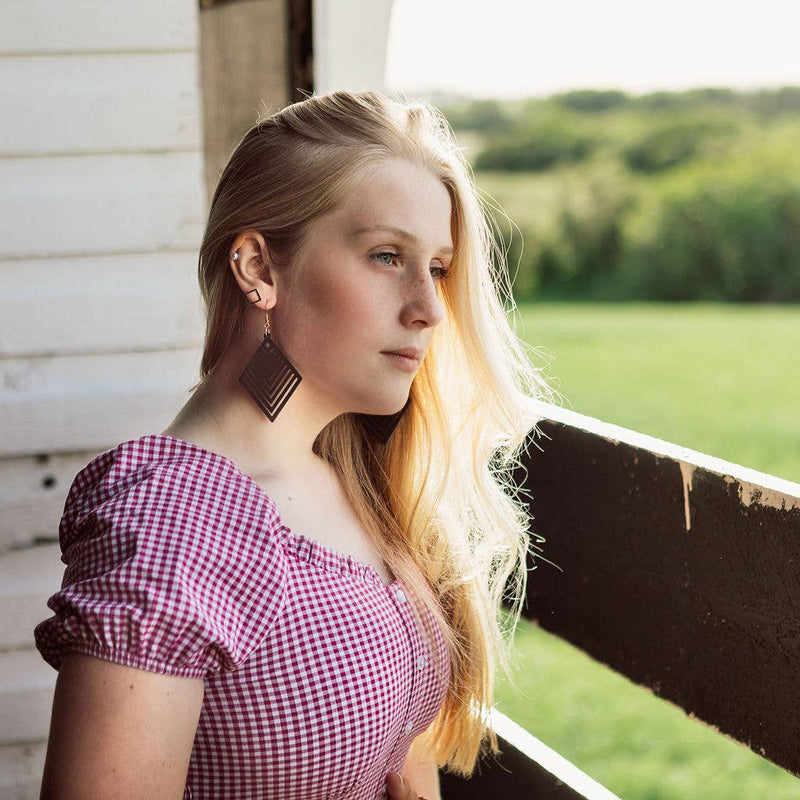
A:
<point x="399" y="788"/>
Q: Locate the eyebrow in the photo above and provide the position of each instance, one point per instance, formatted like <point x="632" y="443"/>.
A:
<point x="399" y="232"/>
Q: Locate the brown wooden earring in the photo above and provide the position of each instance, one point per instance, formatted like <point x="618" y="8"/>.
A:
<point x="381" y="426"/>
<point x="269" y="377"/>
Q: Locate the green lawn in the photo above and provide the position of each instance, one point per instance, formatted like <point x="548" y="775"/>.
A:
<point x="719" y="379"/>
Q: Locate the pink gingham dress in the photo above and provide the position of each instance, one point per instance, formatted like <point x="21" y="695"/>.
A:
<point x="316" y="677"/>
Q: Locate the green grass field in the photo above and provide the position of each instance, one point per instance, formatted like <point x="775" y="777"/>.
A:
<point x="720" y="379"/>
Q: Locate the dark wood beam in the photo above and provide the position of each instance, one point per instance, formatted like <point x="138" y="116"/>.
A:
<point x="678" y="570"/>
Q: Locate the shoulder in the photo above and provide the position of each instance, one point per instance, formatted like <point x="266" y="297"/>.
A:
<point x="157" y="485"/>
<point x="172" y="561"/>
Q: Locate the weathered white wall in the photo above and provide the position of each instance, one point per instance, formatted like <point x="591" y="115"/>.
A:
<point x="350" y="38"/>
<point x="101" y="210"/>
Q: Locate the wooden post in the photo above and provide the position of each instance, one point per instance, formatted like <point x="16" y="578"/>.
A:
<point x="245" y="50"/>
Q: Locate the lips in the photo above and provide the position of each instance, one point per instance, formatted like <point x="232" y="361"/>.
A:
<point x="408" y="352"/>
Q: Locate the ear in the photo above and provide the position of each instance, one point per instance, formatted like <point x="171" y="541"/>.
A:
<point x="249" y="260"/>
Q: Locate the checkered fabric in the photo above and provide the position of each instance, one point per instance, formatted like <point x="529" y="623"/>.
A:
<point x="316" y="677"/>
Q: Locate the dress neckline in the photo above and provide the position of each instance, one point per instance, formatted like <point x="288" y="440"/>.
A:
<point x="304" y="546"/>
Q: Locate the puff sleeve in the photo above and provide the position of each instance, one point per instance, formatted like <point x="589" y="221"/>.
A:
<point x="170" y="567"/>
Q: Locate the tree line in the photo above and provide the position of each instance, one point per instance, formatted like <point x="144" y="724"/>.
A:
<point x="690" y="195"/>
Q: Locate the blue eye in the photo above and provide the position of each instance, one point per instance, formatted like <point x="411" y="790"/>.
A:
<point x="440" y="272"/>
<point x="391" y="255"/>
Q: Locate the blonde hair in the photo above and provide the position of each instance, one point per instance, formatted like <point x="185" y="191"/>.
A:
<point x="437" y="500"/>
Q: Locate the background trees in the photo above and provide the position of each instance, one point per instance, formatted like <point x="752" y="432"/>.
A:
<point x="689" y="195"/>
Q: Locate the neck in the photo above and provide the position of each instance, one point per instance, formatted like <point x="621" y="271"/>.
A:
<point x="222" y="417"/>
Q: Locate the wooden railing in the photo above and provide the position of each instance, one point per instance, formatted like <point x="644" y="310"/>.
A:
<point x="676" y="569"/>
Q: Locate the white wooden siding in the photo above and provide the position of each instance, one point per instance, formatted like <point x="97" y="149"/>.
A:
<point x="85" y="204"/>
<point x="71" y="402"/>
<point x="116" y="103"/>
<point x="20" y="770"/>
<point x="151" y="298"/>
<point x="85" y="26"/>
<point x="32" y="493"/>
<point x="102" y="204"/>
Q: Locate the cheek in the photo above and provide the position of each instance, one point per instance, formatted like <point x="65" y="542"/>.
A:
<point x="326" y="296"/>
<point x="340" y="310"/>
<point x="342" y="299"/>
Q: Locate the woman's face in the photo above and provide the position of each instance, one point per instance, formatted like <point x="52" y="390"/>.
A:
<point x="369" y="283"/>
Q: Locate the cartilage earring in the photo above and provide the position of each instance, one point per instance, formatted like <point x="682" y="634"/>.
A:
<point x="381" y="426"/>
<point x="269" y="377"/>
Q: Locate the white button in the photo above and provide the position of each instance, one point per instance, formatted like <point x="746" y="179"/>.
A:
<point x="421" y="662"/>
<point x="409" y="726"/>
<point x="400" y="595"/>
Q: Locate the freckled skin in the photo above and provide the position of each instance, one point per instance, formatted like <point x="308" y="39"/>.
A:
<point x="348" y="307"/>
<point x="92" y="732"/>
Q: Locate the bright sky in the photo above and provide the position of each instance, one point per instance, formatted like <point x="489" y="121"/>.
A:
<point x="514" y="48"/>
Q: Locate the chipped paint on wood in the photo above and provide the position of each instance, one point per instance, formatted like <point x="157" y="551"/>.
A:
<point x="641" y="442"/>
<point x="687" y="473"/>
<point x="750" y="495"/>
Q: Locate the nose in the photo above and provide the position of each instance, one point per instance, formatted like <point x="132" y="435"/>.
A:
<point x="423" y="303"/>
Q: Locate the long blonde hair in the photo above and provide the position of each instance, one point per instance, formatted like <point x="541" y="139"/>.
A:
<point x="437" y="500"/>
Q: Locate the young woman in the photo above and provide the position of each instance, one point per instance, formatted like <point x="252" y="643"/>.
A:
<point x="294" y="590"/>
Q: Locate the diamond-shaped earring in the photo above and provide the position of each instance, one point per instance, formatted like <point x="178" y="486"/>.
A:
<point x="269" y="377"/>
<point x="381" y="426"/>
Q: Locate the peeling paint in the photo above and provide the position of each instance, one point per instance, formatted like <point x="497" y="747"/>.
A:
<point x="750" y="494"/>
<point x="687" y="473"/>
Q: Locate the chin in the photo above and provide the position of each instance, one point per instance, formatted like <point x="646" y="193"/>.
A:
<point x="386" y="407"/>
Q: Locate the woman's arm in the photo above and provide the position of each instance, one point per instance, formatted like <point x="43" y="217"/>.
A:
<point x="119" y="732"/>
<point x="423" y="774"/>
